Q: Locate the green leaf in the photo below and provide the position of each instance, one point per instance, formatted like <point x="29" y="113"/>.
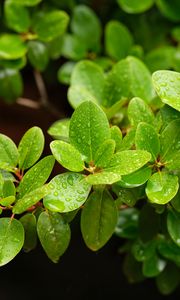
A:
<point x="116" y="135"/>
<point x="147" y="139"/>
<point x="78" y="94"/>
<point x="17" y="17"/>
<point x="90" y="77"/>
<point x="167" y="86"/>
<point x="60" y="130"/>
<point x="126" y="196"/>
<point x="132" y="269"/>
<point x="170" y="145"/>
<point x="18" y="50"/>
<point x="167" y="115"/>
<point x="55" y="47"/>
<point x="11" y="85"/>
<point x="175" y="202"/>
<point x="135" y="7"/>
<point x="169" y="250"/>
<point x="73" y="48"/>
<point x="173" y="225"/>
<point x="68" y="192"/>
<point x="128" y="141"/>
<point x="67" y="155"/>
<point x="127" y="225"/>
<point x="101" y="208"/>
<point x="86" y="25"/>
<point x="11" y="239"/>
<point x="168" y="280"/>
<point x="54" y="234"/>
<point x="128" y="161"/>
<point x="27" y="2"/>
<point x="38" y="55"/>
<point x="29" y="223"/>
<point x="153" y="266"/>
<point x="125" y="80"/>
<point x="118" y="40"/>
<point x="162" y="187"/>
<point x="30" y="147"/>
<point x="8" y="153"/>
<point x="36" y="176"/>
<point x="104" y="153"/>
<point x="7" y="200"/>
<point x="89" y="128"/>
<point x="139" y="111"/>
<point x="65" y="71"/>
<point x="143" y="251"/>
<point x="50" y="25"/>
<point x="136" y="178"/>
<point x="8" y="193"/>
<point x="169" y="10"/>
<point x="103" y="177"/>
<point x="30" y="199"/>
<point x="14" y="64"/>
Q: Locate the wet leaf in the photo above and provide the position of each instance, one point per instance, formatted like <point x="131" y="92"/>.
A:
<point x="103" y="177"/>
<point x="104" y="153"/>
<point x="68" y="192"/>
<point x="136" y="178"/>
<point x="101" y="208"/>
<point x="8" y="153"/>
<point x="60" y="130"/>
<point x="139" y="111"/>
<point x="116" y="135"/>
<point x="54" y="234"/>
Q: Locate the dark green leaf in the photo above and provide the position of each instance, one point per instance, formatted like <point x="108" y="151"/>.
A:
<point x="132" y="269"/>
<point x="169" y="9"/>
<point x="168" y="280"/>
<point x="153" y="266"/>
<point x="160" y="58"/>
<point x="54" y="234"/>
<point x="11" y="85"/>
<point x="127" y="225"/>
<point x="38" y="55"/>
<point x="143" y="251"/>
<point x="173" y="225"/>
<point x="29" y="223"/>
<point x="101" y="208"/>
<point x="169" y="250"/>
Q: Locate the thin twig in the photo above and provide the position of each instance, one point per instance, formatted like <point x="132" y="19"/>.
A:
<point x="28" y="102"/>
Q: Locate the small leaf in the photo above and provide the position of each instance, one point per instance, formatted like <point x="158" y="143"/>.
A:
<point x="67" y="155"/>
<point x="153" y="266"/>
<point x="73" y="48"/>
<point x="38" y="55"/>
<point x="36" y="176"/>
<point x="86" y="25"/>
<point x="128" y="161"/>
<point x="65" y="71"/>
<point x="8" y="153"/>
<point x="116" y="135"/>
<point x="162" y="187"/>
<point x="104" y="153"/>
<point x="127" y="225"/>
<point x="60" y="130"/>
<point x="54" y="234"/>
<point x="173" y="225"/>
<point x="30" y="147"/>
<point x="30" y="199"/>
<point x="11" y="239"/>
<point x="11" y="85"/>
<point x="100" y="207"/>
<point x="136" y="178"/>
<point x="68" y="192"/>
<point x="167" y="86"/>
<point x="147" y="139"/>
<point x="118" y="40"/>
<point x="50" y="25"/>
<point x="135" y="7"/>
<point x="89" y="128"/>
<point x="139" y="111"/>
<point x="18" y="50"/>
<point x="103" y="177"/>
<point x="168" y="280"/>
<point x="29" y="223"/>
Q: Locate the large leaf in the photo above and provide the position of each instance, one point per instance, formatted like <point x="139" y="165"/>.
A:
<point x="167" y="86"/>
<point x="38" y="55"/>
<point x="125" y="80"/>
<point x="173" y="225"/>
<point x="86" y="25"/>
<point x="17" y="16"/>
<point x="8" y="153"/>
<point x="139" y="111"/>
<point x="67" y="155"/>
<point x="118" y="40"/>
<point x="135" y="7"/>
<point x="147" y="139"/>
<point x="89" y="128"/>
<point x="18" y="50"/>
<point x="50" y="25"/>
<point x="36" y="176"/>
<point x="128" y="161"/>
<point x="30" y="147"/>
<point x="101" y="208"/>
<point x="68" y="192"/>
<point x="11" y="239"/>
<point x="29" y="223"/>
<point x="54" y="234"/>
<point x="170" y="144"/>
<point x="30" y="199"/>
<point x="162" y="187"/>
<point x="11" y="85"/>
<point x="89" y="77"/>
